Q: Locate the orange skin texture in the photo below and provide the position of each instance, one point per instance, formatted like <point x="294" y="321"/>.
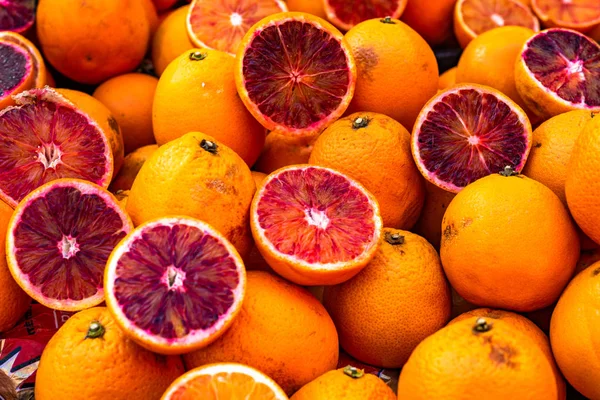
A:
<point x="488" y="250"/>
<point x="447" y="79"/>
<point x="314" y="7"/>
<point x="74" y="366"/>
<point x="405" y="281"/>
<point x="429" y="224"/>
<point x="582" y="186"/>
<point x="104" y="118"/>
<point x="337" y="385"/>
<point x="431" y="19"/>
<point x="553" y="143"/>
<point x="188" y="86"/>
<point x="575" y="329"/>
<point x="379" y="157"/>
<point x="259" y="177"/>
<point x="502" y="363"/>
<point x="282" y="330"/>
<point x="129" y="97"/>
<point x="90" y="42"/>
<point x="152" y="15"/>
<point x="397" y="70"/>
<point x="282" y="150"/>
<point x="16" y="301"/>
<point x="131" y="167"/>
<point x="181" y="178"/>
<point x="171" y="39"/>
<point x="526" y="327"/>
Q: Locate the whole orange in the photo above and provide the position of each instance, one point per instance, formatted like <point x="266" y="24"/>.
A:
<point x="431" y="19"/>
<point x="478" y="357"/>
<point x="347" y="383"/>
<point x="314" y="7"/>
<point x="15" y="301"/>
<point x="129" y="97"/>
<point x="281" y="150"/>
<point x="90" y="42"/>
<point x="91" y="358"/>
<point x="375" y="150"/>
<point x="399" y="299"/>
<point x="397" y="70"/>
<point x="490" y="253"/>
<point x="575" y="329"/>
<point x="199" y="177"/>
<point x="259" y="177"/>
<point x="131" y="167"/>
<point x="170" y="40"/>
<point x="282" y="330"/>
<point x="429" y="224"/>
<point x="197" y="92"/>
<point x="447" y="79"/>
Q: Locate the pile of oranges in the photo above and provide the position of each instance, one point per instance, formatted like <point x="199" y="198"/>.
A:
<point x="284" y="199"/>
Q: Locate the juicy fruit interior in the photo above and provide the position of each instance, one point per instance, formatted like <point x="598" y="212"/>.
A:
<point x="296" y="73"/>
<point x="63" y="240"/>
<point x="44" y="141"/>
<point x="316" y="216"/>
<point x="234" y="385"/>
<point x="568" y="64"/>
<point x="355" y="11"/>
<point x="222" y="25"/>
<point x="579" y="11"/>
<point x="174" y="280"/>
<point x="16" y="15"/>
<point x="468" y="135"/>
<point x="15" y="65"/>
<point x="484" y="15"/>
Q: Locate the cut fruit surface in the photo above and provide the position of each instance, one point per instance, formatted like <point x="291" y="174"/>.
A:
<point x="17" y="15"/>
<point x="45" y="137"/>
<point x="224" y="381"/>
<point x="222" y="25"/>
<point x="559" y="71"/>
<point x="574" y="14"/>
<point x="314" y="225"/>
<point x="174" y="284"/>
<point x="283" y="78"/>
<point x="59" y="240"/>
<point x="474" y="17"/>
<point x="468" y="132"/>
<point x="345" y="14"/>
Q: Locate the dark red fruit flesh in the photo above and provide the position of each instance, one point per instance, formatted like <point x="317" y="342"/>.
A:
<point x="63" y="240"/>
<point x="567" y="63"/>
<point x="15" y="65"/>
<point x="484" y="15"/>
<point x="468" y="135"/>
<point x="44" y="141"/>
<point x="16" y="15"/>
<point x="296" y="73"/>
<point x="174" y="280"/>
<point x="353" y="12"/>
<point x="316" y="215"/>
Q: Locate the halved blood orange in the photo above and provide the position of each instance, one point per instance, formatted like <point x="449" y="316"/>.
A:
<point x="314" y="225"/>
<point x="345" y="14"/>
<point x="224" y="381"/>
<point x="45" y="137"/>
<point x="473" y="17"/>
<point x="221" y="25"/>
<point x="59" y="240"/>
<point x="174" y="284"/>
<point x="295" y="73"/>
<point x="17" y="15"/>
<point x="467" y="132"/>
<point x="559" y="71"/>
<point x="580" y="15"/>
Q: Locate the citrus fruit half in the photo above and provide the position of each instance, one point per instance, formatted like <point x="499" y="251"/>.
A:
<point x="17" y="15"/>
<point x="222" y="25"/>
<point x="174" y="284"/>
<point x="345" y="14"/>
<point x="314" y="225"/>
<point x="558" y="71"/>
<point x="467" y="132"/>
<point x="580" y="15"/>
<point x="224" y="380"/>
<point x="283" y="78"/>
<point x="59" y="239"/>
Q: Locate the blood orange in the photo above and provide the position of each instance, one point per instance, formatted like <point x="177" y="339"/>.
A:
<point x="17" y="15"/>
<point x="59" y="239"/>
<point x="45" y="137"/>
<point x="174" y="284"/>
<point x="558" y="71"/>
<point x="314" y="225"/>
<point x="283" y="78"/>
<point x="467" y="132"/>
<point x="345" y="14"/>
<point x="221" y="25"/>
<point x="580" y="15"/>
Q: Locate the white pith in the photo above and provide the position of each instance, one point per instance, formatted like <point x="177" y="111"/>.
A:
<point x="68" y="246"/>
<point x="316" y="218"/>
<point x="174" y="278"/>
<point x="497" y="19"/>
<point x="236" y="19"/>
<point x="49" y="155"/>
